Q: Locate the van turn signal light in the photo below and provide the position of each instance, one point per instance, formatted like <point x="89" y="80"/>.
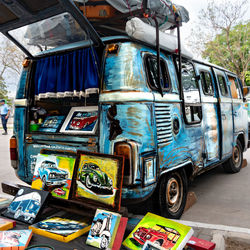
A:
<point x="26" y="63"/>
<point x="113" y="48"/>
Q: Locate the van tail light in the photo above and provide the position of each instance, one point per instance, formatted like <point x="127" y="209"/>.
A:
<point x="128" y="151"/>
<point x="13" y="152"/>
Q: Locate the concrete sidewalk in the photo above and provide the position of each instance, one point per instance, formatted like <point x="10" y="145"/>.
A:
<point x="225" y="237"/>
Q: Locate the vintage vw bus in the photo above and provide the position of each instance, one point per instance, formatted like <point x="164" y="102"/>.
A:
<point x="168" y="128"/>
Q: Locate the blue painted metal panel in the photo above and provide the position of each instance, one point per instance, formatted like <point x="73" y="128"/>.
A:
<point x="20" y="94"/>
<point x="211" y="130"/>
<point x="19" y="128"/>
<point x="186" y="145"/>
<point x="32" y="150"/>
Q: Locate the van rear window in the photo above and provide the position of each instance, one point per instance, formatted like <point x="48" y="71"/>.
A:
<point x="50" y="33"/>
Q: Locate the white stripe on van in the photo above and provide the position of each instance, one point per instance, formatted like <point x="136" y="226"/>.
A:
<point x="21" y="102"/>
<point x="126" y="96"/>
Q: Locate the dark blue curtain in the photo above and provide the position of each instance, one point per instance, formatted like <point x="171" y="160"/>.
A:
<point x="71" y="74"/>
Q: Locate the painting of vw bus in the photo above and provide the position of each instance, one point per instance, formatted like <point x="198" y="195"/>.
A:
<point x="54" y="173"/>
<point x="26" y="205"/>
<point x="81" y="120"/>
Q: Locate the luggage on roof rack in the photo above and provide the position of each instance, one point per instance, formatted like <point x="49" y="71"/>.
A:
<point x="164" y="11"/>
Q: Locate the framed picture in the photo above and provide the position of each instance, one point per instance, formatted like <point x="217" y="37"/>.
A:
<point x="98" y="179"/>
<point x="81" y="120"/>
<point x="54" y="172"/>
<point x="52" y="123"/>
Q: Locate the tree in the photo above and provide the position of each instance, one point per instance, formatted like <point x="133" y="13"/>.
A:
<point x="10" y="64"/>
<point x="222" y="37"/>
<point x="231" y="50"/>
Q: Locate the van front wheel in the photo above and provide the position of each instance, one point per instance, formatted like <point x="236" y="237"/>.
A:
<point x="234" y="164"/>
<point x="173" y="194"/>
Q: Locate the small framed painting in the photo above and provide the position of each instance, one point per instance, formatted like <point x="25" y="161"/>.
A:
<point x="53" y="172"/>
<point x="98" y="179"/>
<point x="26" y="205"/>
<point x="52" y="123"/>
<point x="81" y="120"/>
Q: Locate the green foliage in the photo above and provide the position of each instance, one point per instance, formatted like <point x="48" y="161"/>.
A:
<point x="230" y="49"/>
<point x="247" y="78"/>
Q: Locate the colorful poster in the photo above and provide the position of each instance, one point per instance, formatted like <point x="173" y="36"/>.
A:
<point x="54" y="173"/>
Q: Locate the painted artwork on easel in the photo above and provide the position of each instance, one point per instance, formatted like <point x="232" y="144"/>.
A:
<point x="99" y="178"/>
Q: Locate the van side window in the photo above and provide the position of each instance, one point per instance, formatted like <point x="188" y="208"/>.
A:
<point x="235" y="88"/>
<point x="151" y="69"/>
<point x="191" y="93"/>
<point x="223" y="85"/>
<point x="206" y="82"/>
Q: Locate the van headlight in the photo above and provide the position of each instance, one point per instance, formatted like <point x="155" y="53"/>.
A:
<point x="52" y="175"/>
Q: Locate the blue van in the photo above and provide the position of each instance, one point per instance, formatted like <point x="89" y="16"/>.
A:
<point x="26" y="206"/>
<point x="170" y="116"/>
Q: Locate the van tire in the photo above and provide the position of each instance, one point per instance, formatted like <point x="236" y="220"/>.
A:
<point x="173" y="190"/>
<point x="234" y="163"/>
<point x="44" y="186"/>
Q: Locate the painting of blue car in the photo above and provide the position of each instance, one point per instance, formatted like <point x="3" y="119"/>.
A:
<point x="51" y="175"/>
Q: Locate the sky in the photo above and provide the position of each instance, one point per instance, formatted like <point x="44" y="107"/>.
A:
<point x="193" y="7"/>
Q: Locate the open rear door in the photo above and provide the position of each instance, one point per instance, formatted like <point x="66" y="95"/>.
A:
<point x="15" y="14"/>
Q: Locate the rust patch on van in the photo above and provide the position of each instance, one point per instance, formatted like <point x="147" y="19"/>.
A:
<point x="115" y="128"/>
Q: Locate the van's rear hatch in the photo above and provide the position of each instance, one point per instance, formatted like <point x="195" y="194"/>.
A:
<point x="17" y="14"/>
<point x="56" y="37"/>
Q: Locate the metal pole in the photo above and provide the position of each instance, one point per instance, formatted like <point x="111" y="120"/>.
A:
<point x="180" y="63"/>
<point x="158" y="56"/>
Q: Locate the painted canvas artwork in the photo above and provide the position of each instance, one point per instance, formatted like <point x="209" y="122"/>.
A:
<point x="103" y="229"/>
<point x="52" y="123"/>
<point x="54" y="173"/>
<point x="15" y="239"/>
<point x="81" y="120"/>
<point x="159" y="231"/>
<point x="6" y="224"/>
<point x="62" y="229"/>
<point x="99" y="178"/>
<point x="26" y="205"/>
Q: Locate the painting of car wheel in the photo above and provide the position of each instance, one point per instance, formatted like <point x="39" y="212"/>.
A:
<point x="99" y="178"/>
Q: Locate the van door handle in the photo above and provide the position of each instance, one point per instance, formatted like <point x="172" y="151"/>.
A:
<point x="235" y="113"/>
<point x="223" y="117"/>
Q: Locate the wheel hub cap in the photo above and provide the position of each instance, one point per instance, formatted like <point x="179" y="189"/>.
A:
<point x="172" y="191"/>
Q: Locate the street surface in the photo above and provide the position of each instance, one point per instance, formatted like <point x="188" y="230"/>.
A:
<point x="221" y="198"/>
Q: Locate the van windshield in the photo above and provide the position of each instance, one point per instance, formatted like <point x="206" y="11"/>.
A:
<point x="49" y="33"/>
